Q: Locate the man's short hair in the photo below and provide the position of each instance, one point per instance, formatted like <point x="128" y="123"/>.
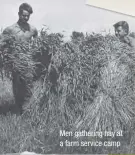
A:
<point x="123" y="24"/>
<point x="25" y="6"/>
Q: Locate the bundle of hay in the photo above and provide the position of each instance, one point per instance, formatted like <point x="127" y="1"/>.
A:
<point x="78" y="69"/>
<point x="97" y="73"/>
<point x="113" y="108"/>
<point x="94" y="89"/>
<point x="17" y="57"/>
<point x="17" y="61"/>
<point x="43" y="49"/>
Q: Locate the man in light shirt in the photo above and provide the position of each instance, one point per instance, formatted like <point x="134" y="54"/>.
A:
<point x="22" y="31"/>
<point x="122" y="32"/>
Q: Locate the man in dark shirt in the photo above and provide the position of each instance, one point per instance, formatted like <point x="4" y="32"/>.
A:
<point x="122" y="32"/>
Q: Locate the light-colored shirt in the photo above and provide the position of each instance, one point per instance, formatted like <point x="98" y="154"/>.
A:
<point x="20" y="33"/>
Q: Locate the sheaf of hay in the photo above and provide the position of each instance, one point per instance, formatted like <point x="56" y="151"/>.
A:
<point x="93" y="88"/>
<point x="95" y="83"/>
<point x="113" y="108"/>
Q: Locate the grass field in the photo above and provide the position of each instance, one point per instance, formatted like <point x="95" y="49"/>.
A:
<point x="84" y="84"/>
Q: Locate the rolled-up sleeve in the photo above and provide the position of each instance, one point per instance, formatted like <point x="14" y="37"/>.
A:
<point x="4" y="36"/>
<point x="7" y="31"/>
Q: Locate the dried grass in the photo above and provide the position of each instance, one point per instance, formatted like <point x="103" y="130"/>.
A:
<point x="93" y="88"/>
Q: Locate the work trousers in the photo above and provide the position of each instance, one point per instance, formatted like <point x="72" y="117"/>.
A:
<point x="21" y="90"/>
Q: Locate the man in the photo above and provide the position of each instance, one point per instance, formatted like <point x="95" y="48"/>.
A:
<point x="22" y="32"/>
<point x="122" y="32"/>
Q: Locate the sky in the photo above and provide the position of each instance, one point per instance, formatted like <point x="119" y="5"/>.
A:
<point x="63" y="16"/>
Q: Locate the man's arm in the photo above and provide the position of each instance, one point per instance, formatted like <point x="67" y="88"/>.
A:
<point x="4" y="37"/>
<point x="7" y="31"/>
<point x="132" y="42"/>
<point x="5" y="34"/>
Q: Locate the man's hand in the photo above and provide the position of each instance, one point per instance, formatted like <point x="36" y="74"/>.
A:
<point x="126" y="39"/>
<point x="130" y="41"/>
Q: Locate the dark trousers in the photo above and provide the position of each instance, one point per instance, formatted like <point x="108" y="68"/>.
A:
<point x="21" y="90"/>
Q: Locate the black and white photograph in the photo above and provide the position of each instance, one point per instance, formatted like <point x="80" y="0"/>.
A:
<point x="67" y="78"/>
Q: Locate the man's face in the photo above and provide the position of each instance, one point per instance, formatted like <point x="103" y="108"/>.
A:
<point x="24" y="16"/>
<point x="120" y="32"/>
